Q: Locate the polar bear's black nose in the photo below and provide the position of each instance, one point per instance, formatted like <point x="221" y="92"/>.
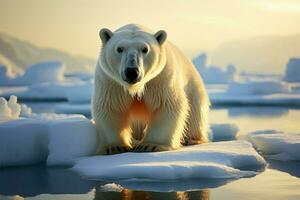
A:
<point x="131" y="75"/>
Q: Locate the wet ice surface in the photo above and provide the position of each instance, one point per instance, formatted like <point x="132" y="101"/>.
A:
<point x="277" y="145"/>
<point x="281" y="180"/>
<point x="234" y="159"/>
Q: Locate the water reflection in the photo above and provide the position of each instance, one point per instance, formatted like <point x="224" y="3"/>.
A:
<point x="143" y="195"/>
<point x="34" y="180"/>
<point x="291" y="167"/>
<point x="29" y="181"/>
<point x="179" y="185"/>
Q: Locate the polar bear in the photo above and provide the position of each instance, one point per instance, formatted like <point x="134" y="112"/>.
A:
<point x="147" y="95"/>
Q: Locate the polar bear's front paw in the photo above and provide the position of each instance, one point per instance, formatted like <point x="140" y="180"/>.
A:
<point x="117" y="149"/>
<point x="148" y="147"/>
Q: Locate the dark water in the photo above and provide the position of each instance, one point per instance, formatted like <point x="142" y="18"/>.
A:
<point x="281" y="180"/>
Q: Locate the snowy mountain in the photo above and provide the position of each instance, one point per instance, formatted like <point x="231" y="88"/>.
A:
<point x="19" y="55"/>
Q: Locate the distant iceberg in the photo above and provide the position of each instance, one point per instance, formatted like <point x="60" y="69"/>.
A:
<point x="43" y="72"/>
<point x="258" y="87"/>
<point x="214" y="74"/>
<point x="292" y="72"/>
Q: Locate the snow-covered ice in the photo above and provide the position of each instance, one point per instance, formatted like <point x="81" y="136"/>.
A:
<point x="276" y="144"/>
<point x="46" y="81"/>
<point x="234" y="159"/>
<point x="72" y="140"/>
<point x="292" y="71"/>
<point x="9" y="109"/>
<point x="57" y="139"/>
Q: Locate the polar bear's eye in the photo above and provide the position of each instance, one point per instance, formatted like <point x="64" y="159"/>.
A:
<point x="120" y="49"/>
<point x="145" y="50"/>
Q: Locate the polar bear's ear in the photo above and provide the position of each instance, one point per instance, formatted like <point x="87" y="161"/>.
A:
<point x="105" y="34"/>
<point x="161" y="37"/>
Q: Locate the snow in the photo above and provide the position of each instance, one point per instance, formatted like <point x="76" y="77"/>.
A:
<point x="223" y="132"/>
<point x="234" y="159"/>
<point x="48" y="71"/>
<point x="277" y="145"/>
<point x="9" y="109"/>
<point x="52" y="138"/>
<point x="292" y="72"/>
<point x="214" y="74"/>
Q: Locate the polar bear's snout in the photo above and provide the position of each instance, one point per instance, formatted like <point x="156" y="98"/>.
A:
<point x="132" y="73"/>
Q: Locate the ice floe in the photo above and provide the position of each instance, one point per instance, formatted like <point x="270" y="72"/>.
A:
<point x="234" y="159"/>
<point x="52" y="138"/>
<point x="277" y="145"/>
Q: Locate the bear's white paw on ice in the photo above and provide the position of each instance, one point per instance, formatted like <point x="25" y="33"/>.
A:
<point x="147" y="90"/>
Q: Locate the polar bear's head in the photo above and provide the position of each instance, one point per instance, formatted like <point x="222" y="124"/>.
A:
<point x="132" y="55"/>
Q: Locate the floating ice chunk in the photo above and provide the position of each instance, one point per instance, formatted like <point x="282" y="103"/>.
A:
<point x="277" y="145"/>
<point x="22" y="142"/>
<point x="270" y="99"/>
<point x="234" y="159"/>
<point x="75" y="91"/>
<point x="221" y="132"/>
<point x="48" y="71"/>
<point x="70" y="138"/>
<point x="26" y="111"/>
<point x="258" y="88"/>
<point x="81" y="93"/>
<point x="59" y="139"/>
<point x="292" y="71"/>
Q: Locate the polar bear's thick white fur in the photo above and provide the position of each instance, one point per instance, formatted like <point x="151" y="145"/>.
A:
<point x="148" y="96"/>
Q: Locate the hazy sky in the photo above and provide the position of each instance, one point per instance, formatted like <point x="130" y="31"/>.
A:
<point x="194" y="25"/>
